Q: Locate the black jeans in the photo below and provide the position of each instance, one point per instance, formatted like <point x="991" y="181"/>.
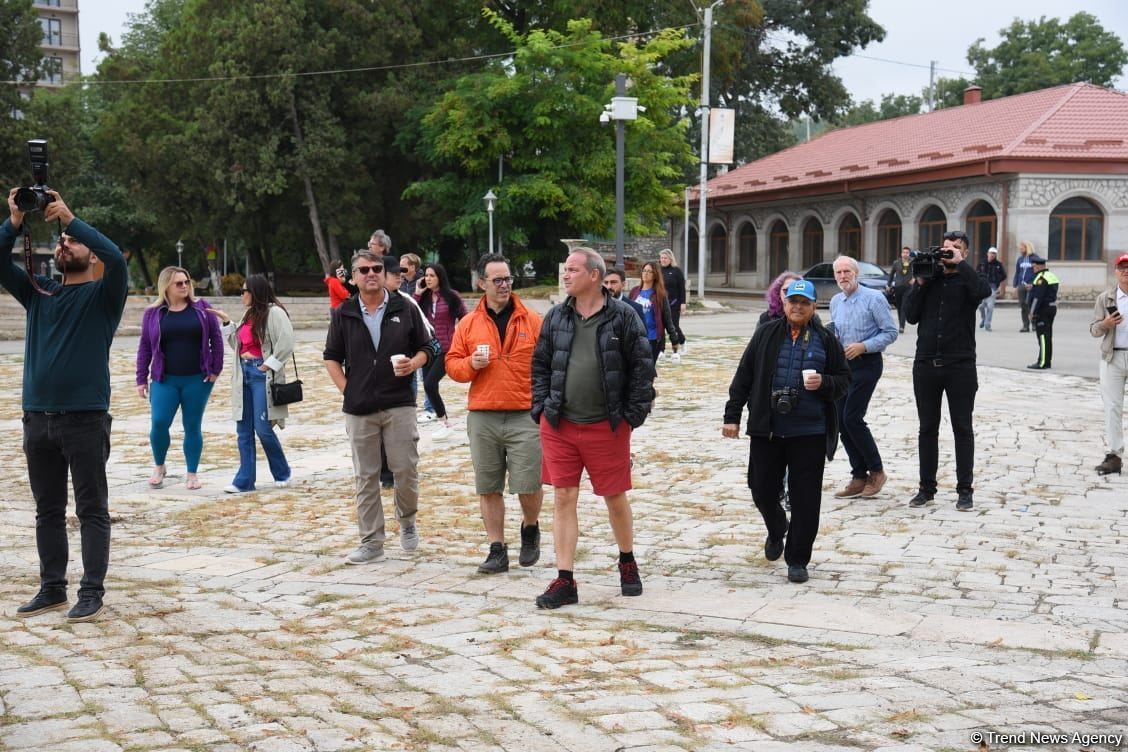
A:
<point x="78" y="443"/>
<point x="930" y="383"/>
<point x="865" y="370"/>
<point x="1024" y="305"/>
<point x="803" y="458"/>
<point x="435" y="373"/>
<point x="1044" y="331"/>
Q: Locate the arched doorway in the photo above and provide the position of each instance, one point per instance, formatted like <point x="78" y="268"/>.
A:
<point x="718" y="250"/>
<point x="778" y="247"/>
<point x="981" y="229"/>
<point x="746" y="258"/>
<point x="933" y="223"/>
<point x="812" y="242"/>
<point x="888" y="238"/>
<point x="850" y="237"/>
<point x="1076" y="231"/>
<point x="691" y="253"/>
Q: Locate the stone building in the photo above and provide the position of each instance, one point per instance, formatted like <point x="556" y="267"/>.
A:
<point x="1049" y="167"/>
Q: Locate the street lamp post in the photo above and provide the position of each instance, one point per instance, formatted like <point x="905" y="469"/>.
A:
<point x="180" y="253"/>
<point x="702" y="235"/>
<point x="490" y="198"/>
<point x="621" y="109"/>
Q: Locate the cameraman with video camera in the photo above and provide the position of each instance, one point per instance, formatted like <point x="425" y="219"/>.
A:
<point x="66" y="388"/>
<point x="942" y="300"/>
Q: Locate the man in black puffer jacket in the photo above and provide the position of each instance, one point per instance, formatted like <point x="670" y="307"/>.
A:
<point x="592" y="384"/>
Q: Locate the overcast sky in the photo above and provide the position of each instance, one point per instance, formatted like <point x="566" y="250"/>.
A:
<point x="916" y="31"/>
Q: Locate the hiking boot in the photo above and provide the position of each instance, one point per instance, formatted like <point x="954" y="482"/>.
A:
<point x="43" y="601"/>
<point x="964" y="501"/>
<point x="530" y="545"/>
<point x="561" y="592"/>
<point x="87" y="609"/>
<point x="873" y="484"/>
<point x="922" y="498"/>
<point x="366" y="553"/>
<point x="497" y="561"/>
<point x="773" y="549"/>
<point x="409" y="538"/>
<point x="797" y="574"/>
<point x="1110" y="465"/>
<point x="629" y="581"/>
<point x="852" y="489"/>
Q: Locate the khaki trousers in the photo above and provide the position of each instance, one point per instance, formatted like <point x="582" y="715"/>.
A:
<point x="396" y="431"/>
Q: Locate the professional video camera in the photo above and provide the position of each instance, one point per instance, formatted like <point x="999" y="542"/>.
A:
<point x="36" y="197"/>
<point x="927" y="264"/>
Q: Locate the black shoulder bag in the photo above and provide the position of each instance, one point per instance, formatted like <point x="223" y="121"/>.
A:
<point x="289" y="392"/>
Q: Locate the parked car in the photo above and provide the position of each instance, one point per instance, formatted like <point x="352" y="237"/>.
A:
<point x="822" y="275"/>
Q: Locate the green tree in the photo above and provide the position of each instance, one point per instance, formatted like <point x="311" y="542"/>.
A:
<point x="1038" y="54"/>
<point x="540" y="110"/>
<point x="892" y="106"/>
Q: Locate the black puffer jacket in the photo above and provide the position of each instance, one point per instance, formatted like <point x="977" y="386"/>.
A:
<point x="626" y="369"/>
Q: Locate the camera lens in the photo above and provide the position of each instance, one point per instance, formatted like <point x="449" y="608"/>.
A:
<point x="30" y="200"/>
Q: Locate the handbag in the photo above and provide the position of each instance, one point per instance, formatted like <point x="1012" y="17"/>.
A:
<point x="289" y="392"/>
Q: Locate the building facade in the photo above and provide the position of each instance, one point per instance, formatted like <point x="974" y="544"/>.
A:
<point x="1049" y="167"/>
<point x="60" y="44"/>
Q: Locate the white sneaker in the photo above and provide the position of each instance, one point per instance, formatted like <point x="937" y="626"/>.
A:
<point x="281" y="483"/>
<point x="365" y="554"/>
<point x="233" y="489"/>
<point x="409" y="536"/>
<point x="675" y="358"/>
<point x="425" y="417"/>
<point x="441" y="432"/>
<point x="661" y="356"/>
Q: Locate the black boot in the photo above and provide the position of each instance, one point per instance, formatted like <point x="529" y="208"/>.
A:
<point x="1110" y="465"/>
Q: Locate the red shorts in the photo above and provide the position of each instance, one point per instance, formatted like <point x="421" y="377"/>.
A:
<point x="571" y="448"/>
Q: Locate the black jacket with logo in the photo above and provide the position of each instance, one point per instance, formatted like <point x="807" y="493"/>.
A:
<point x="372" y="385"/>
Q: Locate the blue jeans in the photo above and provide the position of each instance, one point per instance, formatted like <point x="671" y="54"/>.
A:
<point x="78" y="443"/>
<point x="190" y="394"/>
<point x="254" y="422"/>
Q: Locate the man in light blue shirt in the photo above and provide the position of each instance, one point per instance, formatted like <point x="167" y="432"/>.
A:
<point x="865" y="327"/>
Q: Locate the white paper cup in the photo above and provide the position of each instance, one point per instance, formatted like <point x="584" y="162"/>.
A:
<point x="484" y="350"/>
<point x="807" y="374"/>
<point x="397" y="358"/>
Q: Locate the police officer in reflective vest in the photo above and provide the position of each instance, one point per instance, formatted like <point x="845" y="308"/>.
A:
<point x="1043" y="309"/>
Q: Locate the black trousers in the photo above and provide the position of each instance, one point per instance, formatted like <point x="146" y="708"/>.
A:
<point x="675" y="318"/>
<point x="1044" y="331"/>
<point x="79" y="444"/>
<point x="1024" y="305"/>
<point x="930" y="384"/>
<point x="803" y="458"/>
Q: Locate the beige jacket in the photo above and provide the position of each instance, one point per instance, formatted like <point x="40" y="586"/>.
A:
<point x="276" y="352"/>
<point x="1100" y="311"/>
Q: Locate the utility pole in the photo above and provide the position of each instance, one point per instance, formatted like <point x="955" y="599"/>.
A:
<point x="931" y="85"/>
<point x="702" y="191"/>
<point x="620" y="177"/>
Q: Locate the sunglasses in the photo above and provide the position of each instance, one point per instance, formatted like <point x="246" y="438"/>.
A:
<point x="245" y="290"/>
<point x="364" y="271"/>
<point x="183" y="283"/>
<point x="501" y="281"/>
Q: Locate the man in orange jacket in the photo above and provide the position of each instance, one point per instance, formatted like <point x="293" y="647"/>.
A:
<point x="492" y="350"/>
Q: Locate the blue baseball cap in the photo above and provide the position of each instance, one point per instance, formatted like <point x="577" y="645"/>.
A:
<point x="801" y="287"/>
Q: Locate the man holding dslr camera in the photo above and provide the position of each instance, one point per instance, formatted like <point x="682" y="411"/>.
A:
<point x="66" y="393"/>
<point x="942" y="301"/>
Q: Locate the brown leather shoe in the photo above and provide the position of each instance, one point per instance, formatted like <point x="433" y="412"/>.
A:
<point x="874" y="484"/>
<point x="852" y="489"/>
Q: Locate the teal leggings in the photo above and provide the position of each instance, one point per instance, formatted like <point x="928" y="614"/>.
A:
<point x="189" y="394"/>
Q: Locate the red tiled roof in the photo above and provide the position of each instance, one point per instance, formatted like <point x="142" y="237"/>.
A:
<point x="1074" y="122"/>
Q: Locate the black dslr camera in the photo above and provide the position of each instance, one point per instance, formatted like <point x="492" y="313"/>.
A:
<point x="783" y="400"/>
<point x="927" y="264"/>
<point x="36" y="197"/>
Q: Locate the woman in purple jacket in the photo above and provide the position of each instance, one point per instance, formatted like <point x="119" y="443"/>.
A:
<point x="181" y="351"/>
<point x="443" y="307"/>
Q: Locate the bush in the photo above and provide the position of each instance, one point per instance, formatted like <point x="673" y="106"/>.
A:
<point x="232" y="284"/>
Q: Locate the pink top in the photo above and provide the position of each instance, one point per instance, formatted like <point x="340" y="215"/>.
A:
<point x="248" y="345"/>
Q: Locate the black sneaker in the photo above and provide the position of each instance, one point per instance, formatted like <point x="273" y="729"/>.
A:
<point x="530" y="545"/>
<point x="797" y="574"/>
<point x="1110" y="465"/>
<point x="43" y="601"/>
<point x="922" y="498"/>
<point x="964" y="503"/>
<point x="497" y="561"/>
<point x="629" y="581"/>
<point x="561" y="592"/>
<point x="87" y="608"/>
<point x="773" y="549"/>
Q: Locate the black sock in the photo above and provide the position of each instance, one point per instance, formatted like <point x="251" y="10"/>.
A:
<point x="626" y="557"/>
<point x="566" y="574"/>
<point x="499" y="545"/>
<point x="534" y="526"/>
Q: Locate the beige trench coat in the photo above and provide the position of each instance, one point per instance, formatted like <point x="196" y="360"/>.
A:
<point x="276" y="352"/>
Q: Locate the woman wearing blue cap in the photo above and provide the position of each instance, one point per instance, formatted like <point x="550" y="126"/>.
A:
<point x="791" y="373"/>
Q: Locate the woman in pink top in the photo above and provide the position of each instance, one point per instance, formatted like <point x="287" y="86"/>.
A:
<point x="443" y="307"/>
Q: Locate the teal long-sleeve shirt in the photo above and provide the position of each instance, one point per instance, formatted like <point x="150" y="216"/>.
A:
<point x="68" y="335"/>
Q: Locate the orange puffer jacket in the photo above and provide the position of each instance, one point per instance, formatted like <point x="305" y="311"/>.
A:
<point x="506" y="383"/>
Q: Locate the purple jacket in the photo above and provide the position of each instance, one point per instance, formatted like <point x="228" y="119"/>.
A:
<point x="149" y="350"/>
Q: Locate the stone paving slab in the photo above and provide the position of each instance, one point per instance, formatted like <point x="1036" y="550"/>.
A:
<point x="232" y="623"/>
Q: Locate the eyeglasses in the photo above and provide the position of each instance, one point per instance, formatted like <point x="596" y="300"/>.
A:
<point x="364" y="271"/>
<point x="501" y="281"/>
<point x="1122" y="269"/>
<point x="184" y="283"/>
<point x="956" y="235"/>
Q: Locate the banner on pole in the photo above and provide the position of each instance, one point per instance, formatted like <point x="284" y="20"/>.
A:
<point x="722" y="133"/>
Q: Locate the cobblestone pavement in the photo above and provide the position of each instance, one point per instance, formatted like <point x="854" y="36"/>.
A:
<point x="233" y="623"/>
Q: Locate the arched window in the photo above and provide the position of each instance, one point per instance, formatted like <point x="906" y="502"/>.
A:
<point x="1076" y="231"/>
<point x="691" y="253"/>
<point x="888" y="238"/>
<point x="718" y="250"/>
<point x="778" y="246"/>
<point x="746" y="262"/>
<point x="812" y="242"/>
<point x="981" y="223"/>
<point x="850" y="237"/>
<point x="932" y="225"/>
